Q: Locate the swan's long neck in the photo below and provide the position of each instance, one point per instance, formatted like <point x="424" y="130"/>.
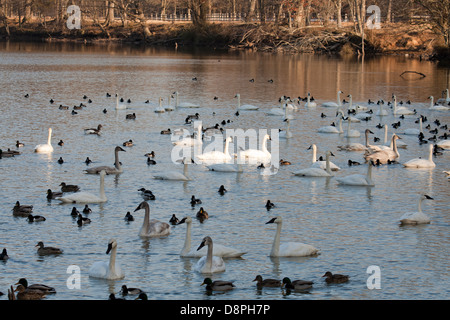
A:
<point x="49" y="140"/>
<point x="419" y="206"/>
<point x="430" y="156"/>
<point x="209" y="257"/>
<point x="348" y="125"/>
<point x="367" y="138"/>
<point x="112" y="261"/>
<point x="239" y="100"/>
<point x="339" y="98"/>
<point x="327" y="163"/>
<point x="102" y="186"/>
<point x="314" y="158"/>
<point x="185" y="169"/>
<point x="369" y="174"/>
<point x="448" y="95"/>
<point x="187" y="240"/>
<point x="117" y="102"/>
<point x="431" y="101"/>
<point x="350" y="103"/>
<point x="146" y="223"/>
<point x="340" y="123"/>
<point x="308" y="98"/>
<point x="176" y="99"/>
<point x="225" y="150"/>
<point x="394" y="146"/>
<point x="395" y="104"/>
<point x="420" y="124"/>
<point x="276" y="241"/>
<point x="381" y="109"/>
<point x="116" y="161"/>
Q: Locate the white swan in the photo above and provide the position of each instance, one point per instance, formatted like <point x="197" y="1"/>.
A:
<point x="421" y="163"/>
<point x="386" y="155"/>
<point x="333" y="104"/>
<point x="105" y="270"/>
<point x="356" y="107"/>
<point x="218" y="155"/>
<point x="355" y="146"/>
<point x="184" y="104"/>
<point x="257" y="155"/>
<point x="191" y="141"/>
<point x="289" y="249"/>
<point x="358" y="179"/>
<point x="109" y="170"/>
<point x="152" y="227"/>
<point x="417" y="217"/>
<point x="168" y="106"/>
<point x="209" y="263"/>
<point x="444" y="144"/>
<point x="309" y="103"/>
<point x="321" y="164"/>
<point x="414" y="131"/>
<point x="437" y="107"/>
<point x="316" y="172"/>
<point x="287" y="134"/>
<point x="381" y="111"/>
<point x="244" y="106"/>
<point x="278" y="111"/>
<point x="445" y="100"/>
<point x="86" y="197"/>
<point x="173" y="175"/>
<point x="351" y="133"/>
<point x="120" y="106"/>
<point x="160" y="108"/>
<point x="218" y="249"/>
<point x="401" y="110"/>
<point x="333" y="129"/>
<point x="387" y="144"/>
<point x="47" y="147"/>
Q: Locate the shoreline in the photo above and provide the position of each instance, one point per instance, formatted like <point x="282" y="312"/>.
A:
<point x="414" y="41"/>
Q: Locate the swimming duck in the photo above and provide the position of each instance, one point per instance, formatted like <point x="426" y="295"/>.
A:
<point x="222" y="190"/>
<point x="69" y="187"/>
<point x="266" y="282"/>
<point x="22" y="210"/>
<point x="38" y="287"/>
<point x="285" y="162"/>
<point x="129" y="217"/>
<point x="93" y="130"/>
<point x="125" y="290"/>
<point x="218" y="285"/>
<point x="150" y="154"/>
<point x="32" y="218"/>
<point x="174" y="220"/>
<point x="53" y="195"/>
<point x="147" y="194"/>
<point x="60" y="160"/>
<point x="47" y="250"/>
<point x="269" y="205"/>
<point x="150" y="161"/>
<point x="297" y="284"/>
<point x="4" y="255"/>
<point x="74" y="212"/>
<point x="86" y="209"/>
<point x="202" y="214"/>
<point x="83" y="220"/>
<point x="131" y="116"/>
<point x="195" y="201"/>
<point x="24" y="294"/>
<point x="19" y="144"/>
<point x="87" y="161"/>
<point x="335" y="278"/>
<point x="166" y="131"/>
<point x="142" y="296"/>
<point x="112" y="296"/>
<point x="60" y="143"/>
<point x="128" y="143"/>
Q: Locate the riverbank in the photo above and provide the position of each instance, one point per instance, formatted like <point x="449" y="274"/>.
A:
<point x="393" y="39"/>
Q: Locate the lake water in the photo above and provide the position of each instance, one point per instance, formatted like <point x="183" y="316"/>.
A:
<point x="353" y="227"/>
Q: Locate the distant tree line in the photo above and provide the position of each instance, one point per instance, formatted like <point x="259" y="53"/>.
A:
<point x="295" y="13"/>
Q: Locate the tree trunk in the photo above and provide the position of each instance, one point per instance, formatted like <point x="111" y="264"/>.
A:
<point x="251" y="10"/>
<point x="199" y="9"/>
<point x="262" y="11"/>
<point x="339" y="13"/>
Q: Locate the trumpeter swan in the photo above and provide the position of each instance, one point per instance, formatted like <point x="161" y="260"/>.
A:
<point x="218" y="249"/>
<point x="257" y="155"/>
<point x="417" y="217"/>
<point x="309" y="103"/>
<point x="421" y="163"/>
<point x="191" y="141"/>
<point x="168" y="106"/>
<point x="444" y="144"/>
<point x="316" y="172"/>
<point x="287" y="134"/>
<point x="401" y="110"/>
<point x="152" y="227"/>
<point x="109" y="170"/>
<point x="244" y="106"/>
<point x="356" y="107"/>
<point x="437" y="107"/>
<point x="386" y="155"/>
<point x="351" y="133"/>
<point x="105" y="270"/>
<point x="387" y="144"/>
<point x="209" y="263"/>
<point x="218" y="155"/>
<point x="355" y="146"/>
<point x="86" y="197"/>
<point x="381" y="111"/>
<point x="173" y="175"/>
<point x="160" y="108"/>
<point x="333" y="129"/>
<point x="414" y="131"/>
<point x="358" y="179"/>
<point x="47" y="147"/>
<point x="120" y="106"/>
<point x="289" y="249"/>
<point x="278" y="111"/>
<point x="184" y="104"/>
<point x="333" y="104"/>
<point x="445" y="100"/>
<point x="321" y="164"/>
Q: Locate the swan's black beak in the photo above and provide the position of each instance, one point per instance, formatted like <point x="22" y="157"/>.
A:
<point x="182" y="221"/>
<point x="271" y="221"/>
<point x="201" y="245"/>
<point x="428" y="197"/>
<point x="109" y="248"/>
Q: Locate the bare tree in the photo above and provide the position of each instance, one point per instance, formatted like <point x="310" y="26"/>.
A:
<point x="439" y="16"/>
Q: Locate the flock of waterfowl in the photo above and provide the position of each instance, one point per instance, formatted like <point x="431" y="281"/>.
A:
<point x="212" y="256"/>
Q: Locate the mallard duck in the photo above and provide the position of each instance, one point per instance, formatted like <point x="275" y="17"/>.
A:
<point x="32" y="218"/>
<point x="218" y="285"/>
<point x="86" y="209"/>
<point x="24" y="294"/>
<point x="22" y="210"/>
<point x="83" y="220"/>
<point x="125" y="290"/>
<point x="195" y="201"/>
<point x="174" y="220"/>
<point x="47" y="250"/>
<point x="69" y="187"/>
<point x="297" y="284"/>
<point x="222" y="190"/>
<point x="335" y="278"/>
<point x="38" y="287"/>
<point x="4" y="255"/>
<point x="202" y="214"/>
<point x="267" y="282"/>
<point x="53" y="195"/>
<point x="129" y="217"/>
